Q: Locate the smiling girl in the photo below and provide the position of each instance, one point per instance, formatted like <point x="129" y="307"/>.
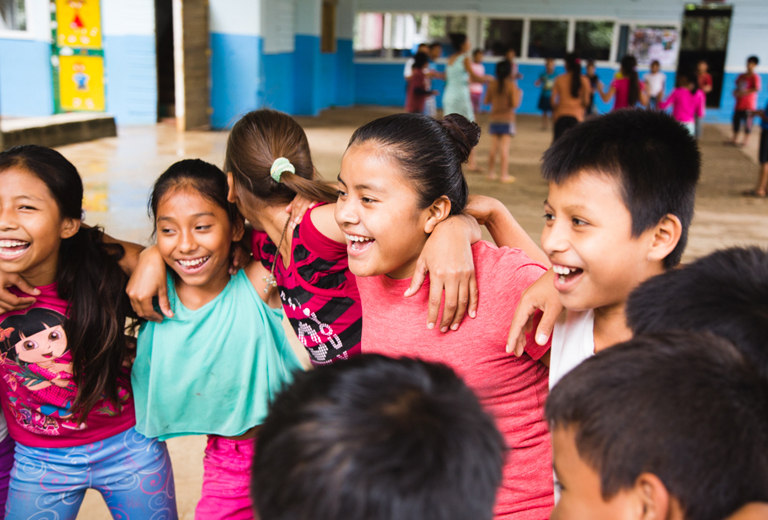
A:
<point x="400" y="177"/>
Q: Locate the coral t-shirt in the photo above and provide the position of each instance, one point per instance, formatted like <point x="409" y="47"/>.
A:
<point x="512" y="389"/>
<point x="746" y="82"/>
<point x="38" y="387"/>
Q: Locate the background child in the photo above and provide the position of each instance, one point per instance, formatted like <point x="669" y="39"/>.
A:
<point x="476" y="87"/>
<point x="65" y="384"/>
<point x="400" y="176"/>
<point x="504" y="97"/>
<point x="223" y="344"/>
<point x="704" y="80"/>
<point x="747" y="87"/>
<point x="646" y="430"/>
<point x="761" y="188"/>
<point x="418" y="92"/>
<point x="621" y="193"/>
<point x="655" y="83"/>
<point x="594" y="81"/>
<point x="625" y="88"/>
<point x="318" y="439"/>
<point x="687" y="102"/>
<point x="570" y="96"/>
<point x="546" y="81"/>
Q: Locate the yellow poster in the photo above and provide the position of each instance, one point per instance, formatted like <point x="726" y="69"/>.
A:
<point x="78" y="23"/>
<point x="81" y="83"/>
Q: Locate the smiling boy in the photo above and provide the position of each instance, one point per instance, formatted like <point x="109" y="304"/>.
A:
<point x="621" y="195"/>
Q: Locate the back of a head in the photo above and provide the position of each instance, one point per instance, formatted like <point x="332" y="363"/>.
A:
<point x="457" y="41"/>
<point x="376" y="438"/>
<point x="684" y="407"/>
<point x="503" y="71"/>
<point x="430" y="152"/>
<point x="725" y="293"/>
<point x="420" y="60"/>
<point x="654" y="158"/>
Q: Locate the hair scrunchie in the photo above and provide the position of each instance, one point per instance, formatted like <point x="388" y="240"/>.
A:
<point x="280" y="165"/>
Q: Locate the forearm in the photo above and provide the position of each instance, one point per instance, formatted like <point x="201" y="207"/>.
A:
<point x="131" y="254"/>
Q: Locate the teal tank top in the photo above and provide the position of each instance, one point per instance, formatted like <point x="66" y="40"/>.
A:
<point x="213" y="370"/>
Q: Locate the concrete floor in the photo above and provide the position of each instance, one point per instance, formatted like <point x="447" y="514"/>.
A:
<point x="118" y="173"/>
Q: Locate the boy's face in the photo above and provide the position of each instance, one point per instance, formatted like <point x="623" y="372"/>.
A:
<point x="588" y="238"/>
<point x="751" y="66"/>
<point x="580" y="490"/>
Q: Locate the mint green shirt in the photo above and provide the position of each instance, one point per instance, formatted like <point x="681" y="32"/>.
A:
<point x="213" y="370"/>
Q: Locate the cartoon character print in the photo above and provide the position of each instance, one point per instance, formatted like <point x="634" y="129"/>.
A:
<point x="38" y="370"/>
<point x="309" y="336"/>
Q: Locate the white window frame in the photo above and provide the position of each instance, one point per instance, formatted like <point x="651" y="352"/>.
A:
<point x="19" y="34"/>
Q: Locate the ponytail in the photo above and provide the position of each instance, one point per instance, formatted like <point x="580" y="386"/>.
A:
<point x="574" y="67"/>
<point x="628" y="64"/>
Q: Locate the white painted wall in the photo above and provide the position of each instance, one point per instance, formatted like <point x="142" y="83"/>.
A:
<point x="279" y="22"/>
<point x="238" y="16"/>
<point x="136" y="17"/>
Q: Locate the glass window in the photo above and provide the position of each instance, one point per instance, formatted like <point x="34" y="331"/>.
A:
<point x="548" y="39"/>
<point x="13" y="15"/>
<point x="593" y="40"/>
<point x="717" y="33"/>
<point x="501" y="35"/>
<point x="693" y="31"/>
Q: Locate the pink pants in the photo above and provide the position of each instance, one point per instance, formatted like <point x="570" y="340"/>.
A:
<point x="226" y="480"/>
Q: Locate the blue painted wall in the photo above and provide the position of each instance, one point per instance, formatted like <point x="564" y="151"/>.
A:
<point x="236" y="88"/>
<point x="131" y="78"/>
<point x="26" y="87"/>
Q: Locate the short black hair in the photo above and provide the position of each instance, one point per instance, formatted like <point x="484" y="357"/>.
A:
<point x="654" y="158"/>
<point x="685" y="407"/>
<point x="725" y="292"/>
<point x="753" y="59"/>
<point x="377" y="438"/>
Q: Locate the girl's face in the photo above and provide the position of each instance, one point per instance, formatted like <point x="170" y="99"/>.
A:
<point x="43" y="347"/>
<point x="31" y="227"/>
<point x="550" y="65"/>
<point x="378" y="211"/>
<point x="655" y="67"/>
<point x="194" y="237"/>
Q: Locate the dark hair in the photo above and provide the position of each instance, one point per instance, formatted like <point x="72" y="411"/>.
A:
<point x="573" y="65"/>
<point x="503" y="71"/>
<point x="429" y="151"/>
<point x="753" y="59"/>
<point x="457" y="40"/>
<point x="654" y="159"/>
<point x="684" y="407"/>
<point x="205" y="178"/>
<point x="434" y="45"/>
<point x="725" y="293"/>
<point x="260" y="137"/>
<point x="628" y="64"/>
<point x="476" y="51"/>
<point x="687" y="80"/>
<point x="377" y="438"/>
<point x="88" y="277"/>
<point x="655" y="62"/>
<point x="590" y="63"/>
<point x="421" y="59"/>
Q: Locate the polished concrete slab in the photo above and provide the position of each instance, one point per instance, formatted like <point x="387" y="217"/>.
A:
<point x="118" y="174"/>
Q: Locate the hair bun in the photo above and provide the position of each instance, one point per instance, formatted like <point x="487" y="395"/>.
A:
<point x="464" y="134"/>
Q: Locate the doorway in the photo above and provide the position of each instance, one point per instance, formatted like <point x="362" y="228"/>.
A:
<point x="166" y="98"/>
<point x="705" y="37"/>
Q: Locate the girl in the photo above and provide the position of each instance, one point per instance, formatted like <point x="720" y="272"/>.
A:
<point x="223" y="345"/>
<point x="570" y="96"/>
<point x="401" y="176"/>
<point x="476" y="87"/>
<point x="418" y="92"/>
<point x="66" y="392"/>
<point x="546" y="81"/>
<point x="268" y="163"/>
<point x="655" y="83"/>
<point x="626" y="87"/>
<point x="687" y="101"/>
<point x="504" y="97"/>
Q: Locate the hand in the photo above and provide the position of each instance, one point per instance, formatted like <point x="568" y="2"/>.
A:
<point x="540" y="296"/>
<point x="8" y="300"/>
<point x="297" y="208"/>
<point x="452" y="271"/>
<point x="148" y="281"/>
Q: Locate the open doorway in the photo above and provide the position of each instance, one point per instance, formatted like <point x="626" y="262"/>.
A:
<point x="705" y="37"/>
<point x="166" y="98"/>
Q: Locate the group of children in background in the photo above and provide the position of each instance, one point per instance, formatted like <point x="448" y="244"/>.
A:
<point x="87" y="407"/>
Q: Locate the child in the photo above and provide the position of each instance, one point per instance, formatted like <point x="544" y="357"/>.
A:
<point x="546" y="81"/>
<point x="268" y="163"/>
<point x="687" y="102"/>
<point x="400" y="176"/>
<point x="594" y="82"/>
<point x="377" y="438"/>
<point x="223" y="345"/>
<point x="704" y="80"/>
<point x="747" y="87"/>
<point x="504" y="97"/>
<point x="66" y="391"/>
<point x="655" y="82"/>
<point x="417" y="92"/>
<point x="621" y="194"/>
<point x="669" y="426"/>
<point x="476" y="87"/>
<point x="570" y="96"/>
<point x="761" y="189"/>
<point x="723" y="293"/>
<point x="626" y="88"/>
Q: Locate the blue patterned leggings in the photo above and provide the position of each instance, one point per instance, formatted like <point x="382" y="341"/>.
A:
<point x="132" y="473"/>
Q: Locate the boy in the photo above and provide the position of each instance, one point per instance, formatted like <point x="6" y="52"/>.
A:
<point x="725" y="293"/>
<point x="747" y="87"/>
<point x="669" y="426"/>
<point x="376" y="438"/>
<point x="621" y="195"/>
<point x="762" y="156"/>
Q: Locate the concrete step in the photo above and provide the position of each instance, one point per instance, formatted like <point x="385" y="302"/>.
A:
<point x="56" y="130"/>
